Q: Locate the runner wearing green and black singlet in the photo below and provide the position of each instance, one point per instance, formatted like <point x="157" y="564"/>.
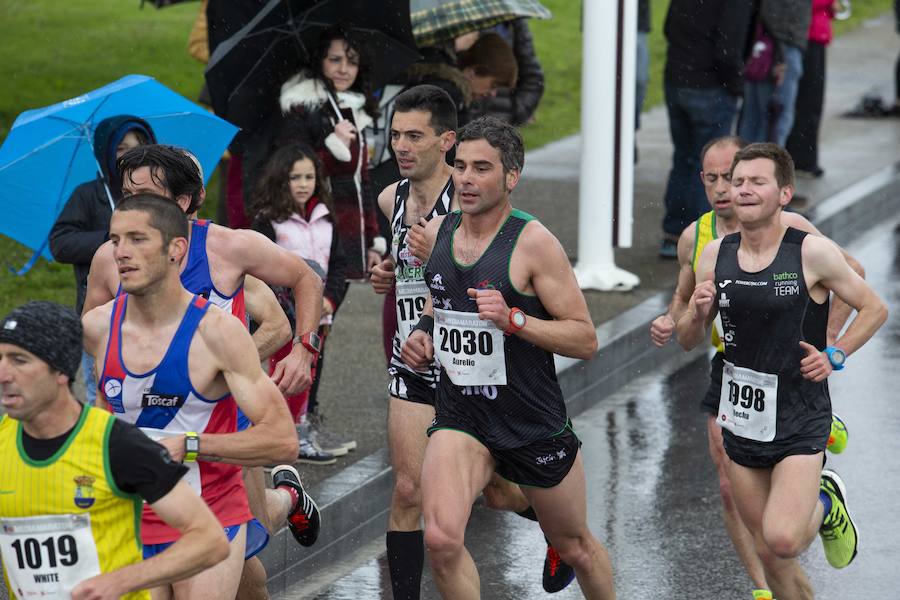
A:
<point x="503" y="300"/>
<point x="498" y="388"/>
<point x="422" y="131"/>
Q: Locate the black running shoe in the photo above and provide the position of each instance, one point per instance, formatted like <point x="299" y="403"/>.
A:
<point x="557" y="573"/>
<point x="304" y="521"/>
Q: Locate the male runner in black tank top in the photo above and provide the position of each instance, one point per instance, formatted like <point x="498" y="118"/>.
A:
<point x="715" y="159"/>
<point x="770" y="283"/>
<point x="422" y="131"/>
<point x="499" y="406"/>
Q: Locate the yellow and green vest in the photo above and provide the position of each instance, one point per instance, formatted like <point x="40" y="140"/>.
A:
<point x="705" y="232"/>
<point x="76" y="480"/>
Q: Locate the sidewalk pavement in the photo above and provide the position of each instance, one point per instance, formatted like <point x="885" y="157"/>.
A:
<point x="353" y="392"/>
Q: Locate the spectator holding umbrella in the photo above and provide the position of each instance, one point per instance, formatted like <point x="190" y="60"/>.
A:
<point x="516" y="99"/>
<point x="83" y="224"/>
<point x="327" y="106"/>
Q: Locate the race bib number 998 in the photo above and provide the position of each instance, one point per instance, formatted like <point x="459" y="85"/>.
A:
<point x="469" y="349"/>
<point x="748" y="403"/>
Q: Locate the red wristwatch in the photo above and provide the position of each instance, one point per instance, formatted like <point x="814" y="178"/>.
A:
<point x="311" y="341"/>
<point x="516" y="321"/>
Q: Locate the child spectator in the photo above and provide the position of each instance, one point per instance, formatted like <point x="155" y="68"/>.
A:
<point x="293" y="207"/>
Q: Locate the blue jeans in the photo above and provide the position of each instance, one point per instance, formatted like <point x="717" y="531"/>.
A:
<point x="696" y="116"/>
<point x="642" y="76"/>
<point x="768" y="111"/>
<point x="90" y="382"/>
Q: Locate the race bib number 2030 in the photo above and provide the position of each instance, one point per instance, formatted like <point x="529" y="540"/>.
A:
<point x="469" y="349"/>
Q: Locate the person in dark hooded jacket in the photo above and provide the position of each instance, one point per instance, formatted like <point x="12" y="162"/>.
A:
<point x="83" y="225"/>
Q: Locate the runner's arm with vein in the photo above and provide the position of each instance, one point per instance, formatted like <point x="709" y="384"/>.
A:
<point x="382" y="274"/>
<point x="663" y="326"/>
<point x="840" y="311"/>
<point x="271" y="438"/>
<point x="273" y="329"/>
<point x="103" y="279"/>
<point x="570" y="331"/>
<point x="693" y="325"/>
<point x="418" y="351"/>
<point x="824" y="265"/>
<point x="95" y="325"/>
<point x="267" y="261"/>
<point x="202" y="545"/>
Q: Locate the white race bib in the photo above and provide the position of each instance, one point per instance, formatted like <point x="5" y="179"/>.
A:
<point x="411" y="298"/>
<point x="469" y="349"/>
<point x="748" y="403"/>
<point x="47" y="556"/>
<point x="192" y="477"/>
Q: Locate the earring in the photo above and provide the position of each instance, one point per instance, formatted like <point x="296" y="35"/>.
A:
<point x="171" y="259"/>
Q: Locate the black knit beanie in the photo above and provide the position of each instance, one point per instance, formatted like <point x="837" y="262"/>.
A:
<point x="50" y="331"/>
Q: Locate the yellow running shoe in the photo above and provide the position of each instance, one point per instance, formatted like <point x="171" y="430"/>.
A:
<point x="762" y="595"/>
<point x="837" y="439"/>
<point x="840" y="537"/>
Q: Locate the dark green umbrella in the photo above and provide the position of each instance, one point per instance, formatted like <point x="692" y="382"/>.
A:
<point x="438" y="21"/>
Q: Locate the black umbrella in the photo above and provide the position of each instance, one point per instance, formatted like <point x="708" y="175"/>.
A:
<point x="246" y="71"/>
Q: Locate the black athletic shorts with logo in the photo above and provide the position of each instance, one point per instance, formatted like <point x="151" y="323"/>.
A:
<point x="710" y="402"/>
<point x="544" y="463"/>
<point x="406" y="386"/>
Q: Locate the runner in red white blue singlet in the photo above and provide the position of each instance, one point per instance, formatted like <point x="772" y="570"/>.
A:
<point x="163" y="403"/>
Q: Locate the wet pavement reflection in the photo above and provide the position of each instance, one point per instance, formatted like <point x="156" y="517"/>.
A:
<point x="653" y="494"/>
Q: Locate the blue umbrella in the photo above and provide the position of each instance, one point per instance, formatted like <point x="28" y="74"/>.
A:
<point x="49" y="150"/>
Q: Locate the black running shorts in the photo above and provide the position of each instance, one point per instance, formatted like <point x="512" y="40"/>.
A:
<point x="544" y="463"/>
<point x="710" y="402"/>
<point x="406" y="386"/>
<point x="767" y="461"/>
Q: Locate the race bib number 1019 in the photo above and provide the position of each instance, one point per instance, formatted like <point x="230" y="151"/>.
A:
<point x="45" y="557"/>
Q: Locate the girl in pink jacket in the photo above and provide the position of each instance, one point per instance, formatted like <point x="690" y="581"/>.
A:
<point x="292" y="206"/>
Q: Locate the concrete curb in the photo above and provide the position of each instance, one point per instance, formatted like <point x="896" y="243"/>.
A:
<point x="354" y="503"/>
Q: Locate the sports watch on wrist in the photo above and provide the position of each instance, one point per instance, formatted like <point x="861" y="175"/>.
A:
<point x="191" y="446"/>
<point x="517" y="321"/>
<point x="310" y="340"/>
<point x="836" y="357"/>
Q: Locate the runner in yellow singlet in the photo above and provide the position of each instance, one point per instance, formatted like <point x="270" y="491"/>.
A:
<point x="69" y="508"/>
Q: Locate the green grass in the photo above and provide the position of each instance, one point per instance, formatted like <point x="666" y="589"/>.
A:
<point x="53" y="50"/>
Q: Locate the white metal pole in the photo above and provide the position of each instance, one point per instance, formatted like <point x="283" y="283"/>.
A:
<point x="596" y="268"/>
<point x="628" y="80"/>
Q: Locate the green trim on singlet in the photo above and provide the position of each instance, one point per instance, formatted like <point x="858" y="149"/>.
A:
<point x="521" y="214"/>
<point x="453" y="242"/>
<point x="62" y="450"/>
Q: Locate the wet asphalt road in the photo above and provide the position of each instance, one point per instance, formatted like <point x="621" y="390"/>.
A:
<point x="652" y="491"/>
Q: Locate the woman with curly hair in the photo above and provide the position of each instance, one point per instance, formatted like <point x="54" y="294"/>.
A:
<point x="327" y="107"/>
<point x="293" y="208"/>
